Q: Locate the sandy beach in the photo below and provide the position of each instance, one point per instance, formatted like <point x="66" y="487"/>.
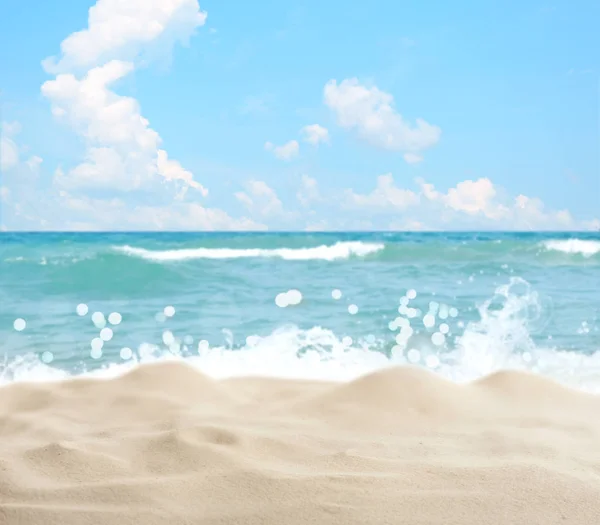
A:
<point x="166" y="445"/>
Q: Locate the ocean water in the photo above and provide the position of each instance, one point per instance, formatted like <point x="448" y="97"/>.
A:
<point x="306" y="305"/>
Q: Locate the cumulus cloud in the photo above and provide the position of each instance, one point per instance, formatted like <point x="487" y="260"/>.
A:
<point x="9" y="151"/>
<point x="286" y="152"/>
<point x="123" y="152"/>
<point x="469" y="204"/>
<point x="412" y="158"/>
<point x="29" y="207"/>
<point x="473" y="197"/>
<point x="308" y="191"/>
<point x="62" y="210"/>
<point x="371" y="113"/>
<point x="315" y="134"/>
<point x="260" y="199"/>
<point x="125" y="30"/>
<point x="385" y="197"/>
<point x="19" y="172"/>
<point x="593" y="225"/>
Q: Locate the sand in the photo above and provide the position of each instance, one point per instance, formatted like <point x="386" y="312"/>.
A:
<point x="166" y="445"/>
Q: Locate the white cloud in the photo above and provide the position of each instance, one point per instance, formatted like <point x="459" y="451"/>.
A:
<point x="288" y="151"/>
<point x="412" y="158"/>
<point x="123" y="152"/>
<point x="9" y="151"/>
<point x="319" y="226"/>
<point x="19" y="172"/>
<point x="530" y="213"/>
<point x="315" y="134"/>
<point x="192" y="216"/>
<point x="125" y="29"/>
<point x="65" y="211"/>
<point x="309" y="191"/>
<point x="407" y="225"/>
<point x="172" y="171"/>
<point x="260" y="199"/>
<point x="9" y="154"/>
<point x="477" y="197"/>
<point x="593" y="225"/>
<point x="33" y="163"/>
<point x="11" y="128"/>
<point x="470" y="204"/>
<point x="371" y="113"/>
<point x="385" y="197"/>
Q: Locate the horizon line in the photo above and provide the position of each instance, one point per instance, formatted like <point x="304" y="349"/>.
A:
<point x="268" y="232"/>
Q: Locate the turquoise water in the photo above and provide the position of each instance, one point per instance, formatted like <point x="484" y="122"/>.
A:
<point x="462" y="304"/>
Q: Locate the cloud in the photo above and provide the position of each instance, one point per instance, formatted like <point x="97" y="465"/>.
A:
<point x="477" y="204"/>
<point x="124" y="30"/>
<point x="532" y="214"/>
<point x="593" y="225"/>
<point x="371" y="113"/>
<point x="408" y="225"/>
<point x="473" y="197"/>
<point x="114" y="214"/>
<point x="260" y="199"/>
<point x="9" y="151"/>
<point x="386" y="196"/>
<point x="286" y="152"/>
<point x="315" y="134"/>
<point x="62" y="210"/>
<point x="33" y="163"/>
<point x="309" y="191"/>
<point x="123" y="152"/>
<point x="319" y="226"/>
<point x="412" y="158"/>
<point x="18" y="172"/>
<point x="9" y="154"/>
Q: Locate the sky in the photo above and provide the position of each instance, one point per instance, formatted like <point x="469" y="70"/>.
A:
<point x="300" y="115"/>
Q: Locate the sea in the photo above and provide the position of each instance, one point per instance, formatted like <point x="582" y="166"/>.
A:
<point x="328" y="306"/>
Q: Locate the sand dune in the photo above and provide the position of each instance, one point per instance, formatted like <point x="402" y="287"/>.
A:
<point x="167" y="445"/>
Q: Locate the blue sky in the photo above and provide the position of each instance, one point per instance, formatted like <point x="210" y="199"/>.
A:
<point x="167" y="114"/>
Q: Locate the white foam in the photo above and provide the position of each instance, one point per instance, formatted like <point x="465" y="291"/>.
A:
<point x="586" y="248"/>
<point x="339" y="250"/>
<point x="500" y="339"/>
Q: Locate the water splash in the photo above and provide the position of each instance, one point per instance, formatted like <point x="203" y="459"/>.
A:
<point x="500" y="339"/>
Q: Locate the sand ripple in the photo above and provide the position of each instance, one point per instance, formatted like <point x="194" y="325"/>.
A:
<point x="167" y="445"/>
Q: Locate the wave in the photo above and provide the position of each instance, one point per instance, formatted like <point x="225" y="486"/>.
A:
<point x="568" y="251"/>
<point x="339" y="250"/>
<point x="499" y="340"/>
<point x="587" y="248"/>
<point x="573" y="252"/>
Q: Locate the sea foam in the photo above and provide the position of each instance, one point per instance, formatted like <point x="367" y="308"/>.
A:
<point x="587" y="248"/>
<point x="500" y="339"/>
<point x="339" y="250"/>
